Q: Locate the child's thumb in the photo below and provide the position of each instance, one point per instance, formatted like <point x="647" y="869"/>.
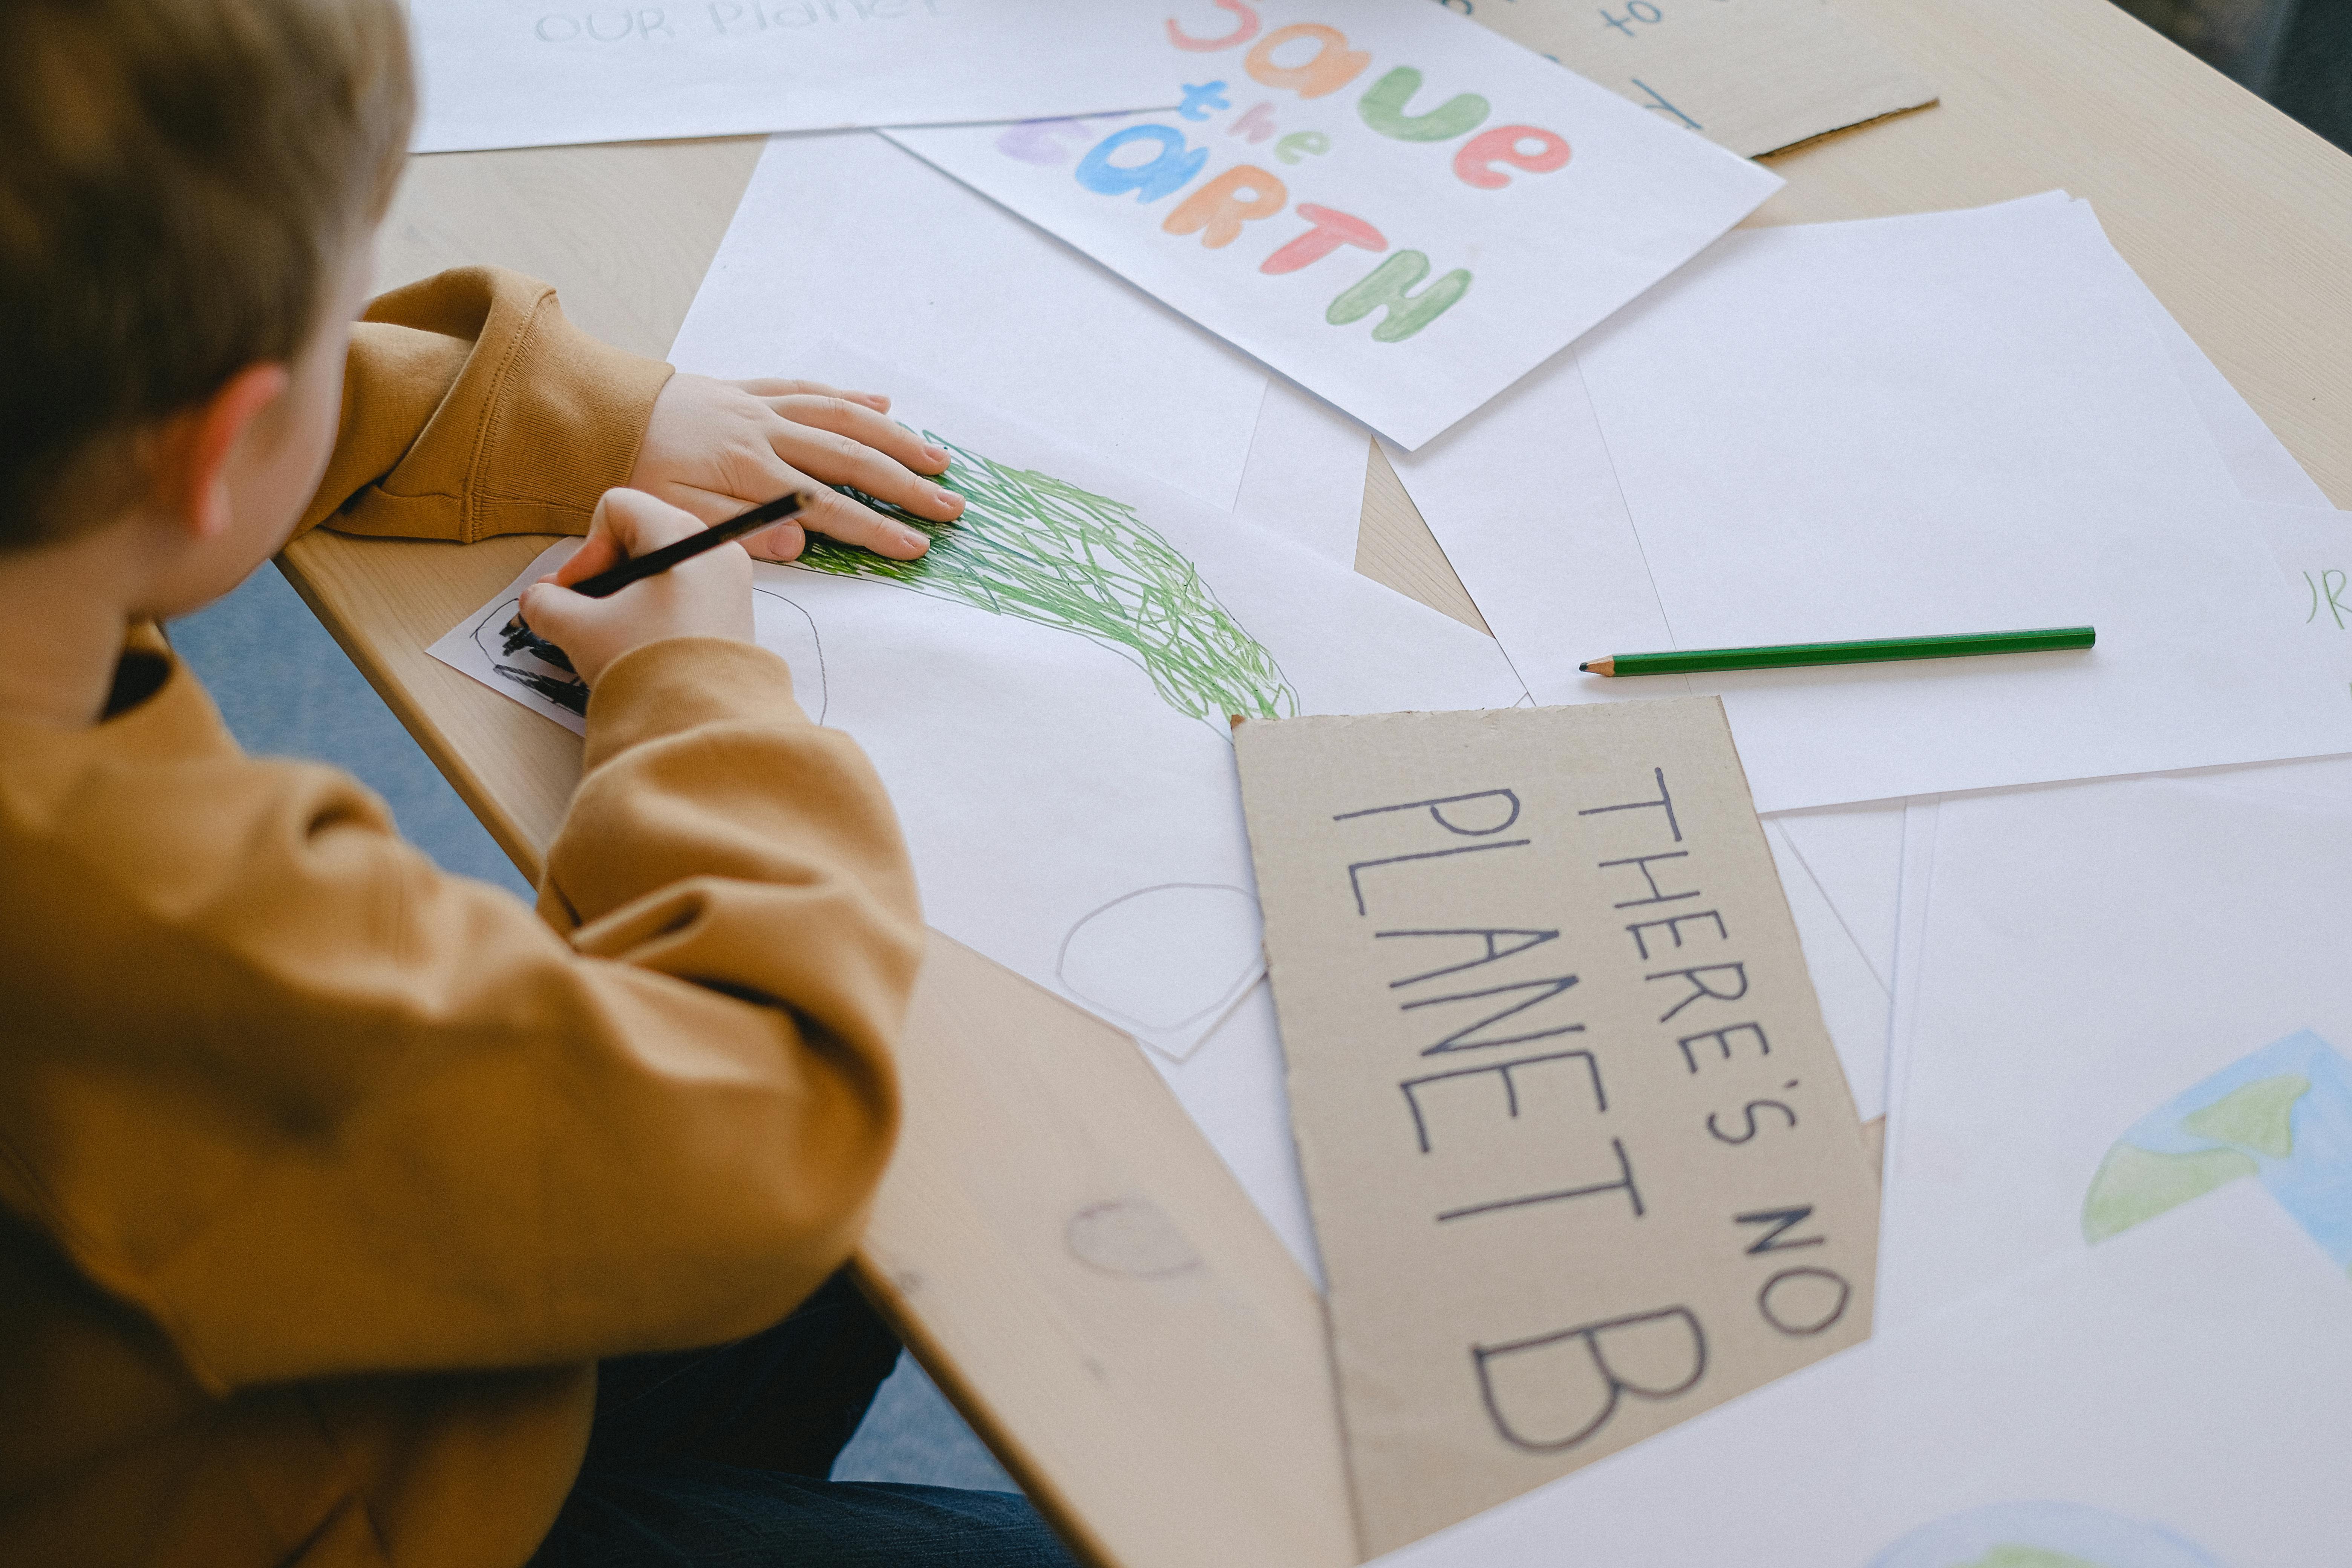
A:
<point x="553" y="612"/>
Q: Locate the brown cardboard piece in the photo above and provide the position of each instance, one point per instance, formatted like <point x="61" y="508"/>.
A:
<point x="1753" y="76"/>
<point x="1582" y="1158"/>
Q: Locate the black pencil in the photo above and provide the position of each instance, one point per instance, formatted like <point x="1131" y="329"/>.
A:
<point x="653" y="563"/>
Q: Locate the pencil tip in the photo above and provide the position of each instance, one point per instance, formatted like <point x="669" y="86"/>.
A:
<point x="1599" y="666"/>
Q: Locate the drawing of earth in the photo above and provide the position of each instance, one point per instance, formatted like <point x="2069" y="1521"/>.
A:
<point x="2281" y="1114"/>
<point x="2042" y="1534"/>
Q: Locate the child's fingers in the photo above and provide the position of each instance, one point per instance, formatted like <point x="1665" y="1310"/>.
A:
<point x="597" y="553"/>
<point x="774" y="387"/>
<point x="782" y="542"/>
<point x="841" y="460"/>
<point x="627" y="523"/>
<point x="555" y="612"/>
<point x="835" y="516"/>
<point x="638" y="522"/>
<point x="710" y="506"/>
<point x="864" y="426"/>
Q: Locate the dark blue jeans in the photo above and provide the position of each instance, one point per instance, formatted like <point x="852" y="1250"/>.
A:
<point x="720" y="1456"/>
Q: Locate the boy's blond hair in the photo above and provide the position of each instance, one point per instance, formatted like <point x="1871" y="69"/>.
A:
<point x="180" y="179"/>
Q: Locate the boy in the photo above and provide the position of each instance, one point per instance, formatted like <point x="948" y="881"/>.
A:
<point x="326" y="1180"/>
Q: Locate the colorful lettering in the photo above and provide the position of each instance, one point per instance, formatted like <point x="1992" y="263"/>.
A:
<point x="1221" y="208"/>
<point x="1257" y="125"/>
<point x="1504" y="144"/>
<point x="1333" y="67"/>
<point x="1199" y="100"/>
<point x="1383" y="109"/>
<point x="1389" y="286"/>
<point x="1245" y="26"/>
<point x="1164" y="175"/>
<point x="1041" y="141"/>
<point x="1302" y="144"/>
<point x="1331" y="230"/>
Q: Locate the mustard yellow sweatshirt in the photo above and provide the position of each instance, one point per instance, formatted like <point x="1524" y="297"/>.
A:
<point x="326" y="1177"/>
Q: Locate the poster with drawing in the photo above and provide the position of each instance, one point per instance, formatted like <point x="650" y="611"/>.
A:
<point x="2171" y="1023"/>
<point x="1390" y="204"/>
<point x="539" y="73"/>
<point x="1047" y="695"/>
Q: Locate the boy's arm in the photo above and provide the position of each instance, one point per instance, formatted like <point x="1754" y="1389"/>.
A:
<point x="336" y="1111"/>
<point x="472" y="408"/>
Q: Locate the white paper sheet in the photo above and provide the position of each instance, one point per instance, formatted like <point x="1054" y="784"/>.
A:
<point x="2313" y="546"/>
<point x="1918" y="863"/>
<point x="2174" y="1400"/>
<point x="1328" y="155"/>
<point x="528" y="73"/>
<point x="1855" y="852"/>
<point x="1237" y="1091"/>
<point x="2090" y="953"/>
<point x="1068" y="790"/>
<point x="1853" y="999"/>
<point x="847" y="236"/>
<point x="1305" y="477"/>
<point x="1956" y="421"/>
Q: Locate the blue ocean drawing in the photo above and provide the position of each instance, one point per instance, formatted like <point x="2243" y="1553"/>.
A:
<point x="2282" y="1115"/>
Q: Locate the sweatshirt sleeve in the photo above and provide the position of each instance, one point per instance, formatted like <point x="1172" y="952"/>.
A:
<point x="318" y="1107"/>
<point x="472" y="408"/>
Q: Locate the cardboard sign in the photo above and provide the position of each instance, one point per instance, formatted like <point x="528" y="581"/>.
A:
<point x="1753" y="76"/>
<point x="1582" y="1160"/>
<point x="1401" y="212"/>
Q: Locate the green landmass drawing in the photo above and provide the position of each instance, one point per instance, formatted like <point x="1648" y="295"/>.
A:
<point x="2281" y="1114"/>
<point x="1043" y="551"/>
<point x="2255" y="1114"/>
<point x="2028" y="1557"/>
<point x="2135" y="1184"/>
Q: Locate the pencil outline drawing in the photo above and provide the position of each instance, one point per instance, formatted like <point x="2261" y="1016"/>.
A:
<point x="1044" y="551"/>
<point x="1211" y="1001"/>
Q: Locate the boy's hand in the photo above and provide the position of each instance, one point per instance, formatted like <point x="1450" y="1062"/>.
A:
<point x="715" y="447"/>
<point x="707" y="596"/>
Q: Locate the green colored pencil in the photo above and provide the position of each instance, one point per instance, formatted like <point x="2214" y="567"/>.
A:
<point x="1780" y="656"/>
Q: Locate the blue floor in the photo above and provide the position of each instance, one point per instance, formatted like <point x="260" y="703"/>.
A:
<point x="287" y="689"/>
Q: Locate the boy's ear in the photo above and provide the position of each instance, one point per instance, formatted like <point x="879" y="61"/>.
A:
<point x="188" y="455"/>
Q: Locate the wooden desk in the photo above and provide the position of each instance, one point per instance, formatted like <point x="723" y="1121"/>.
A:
<point x="1056" y="1241"/>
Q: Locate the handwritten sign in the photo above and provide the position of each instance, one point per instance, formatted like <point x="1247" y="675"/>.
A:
<point x="1754" y="76"/>
<point x="535" y="73"/>
<point x="1395" y="208"/>
<point x="1581" y="1157"/>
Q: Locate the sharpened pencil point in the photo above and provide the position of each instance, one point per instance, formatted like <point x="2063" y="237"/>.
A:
<point x="1599" y="667"/>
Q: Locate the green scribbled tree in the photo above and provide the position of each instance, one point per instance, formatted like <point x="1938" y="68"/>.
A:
<point x="1031" y="546"/>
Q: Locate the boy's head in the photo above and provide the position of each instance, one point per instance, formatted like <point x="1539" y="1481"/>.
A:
<point x="185" y="200"/>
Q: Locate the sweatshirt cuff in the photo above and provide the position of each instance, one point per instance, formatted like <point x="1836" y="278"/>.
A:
<point x="565" y="428"/>
<point x="678" y="684"/>
<point x="472" y="408"/>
